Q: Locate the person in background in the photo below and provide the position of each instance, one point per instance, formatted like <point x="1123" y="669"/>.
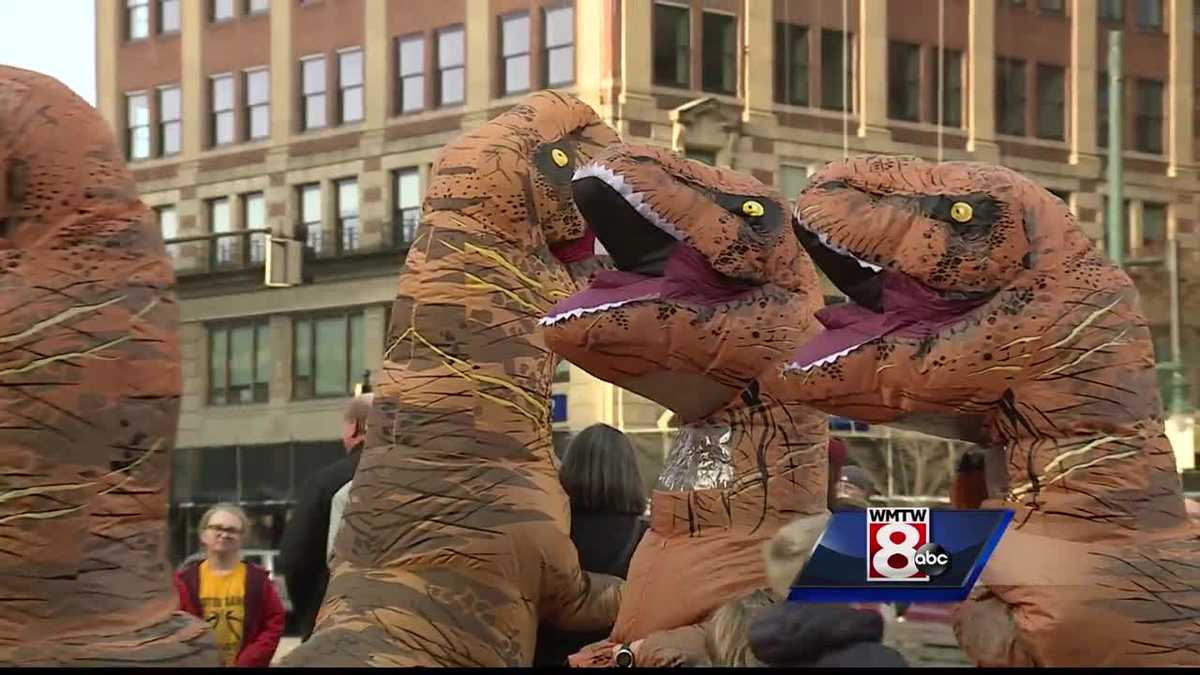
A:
<point x="600" y="476"/>
<point x="337" y="504"/>
<point x="837" y="459"/>
<point x="237" y="599"/>
<point x="854" y="489"/>
<point x="303" y="555"/>
<point x="727" y="632"/>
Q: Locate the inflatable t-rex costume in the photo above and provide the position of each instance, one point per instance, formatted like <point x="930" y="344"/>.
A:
<point x="981" y="311"/>
<point x="690" y="321"/>
<point x="89" y="397"/>
<point x="456" y="541"/>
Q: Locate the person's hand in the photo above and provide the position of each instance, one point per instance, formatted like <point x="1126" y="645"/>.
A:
<point x="802" y="634"/>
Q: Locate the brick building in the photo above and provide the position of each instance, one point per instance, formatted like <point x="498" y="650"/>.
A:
<point x="318" y="120"/>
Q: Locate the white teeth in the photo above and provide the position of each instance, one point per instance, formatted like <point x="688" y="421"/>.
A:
<point x="576" y="313"/>
<point x="635" y="199"/>
<point x="795" y="366"/>
<point x="838" y="249"/>
<point x="598" y="248"/>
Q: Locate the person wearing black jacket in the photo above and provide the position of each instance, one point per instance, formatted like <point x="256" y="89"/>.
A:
<point x="302" y="556"/>
<point x="600" y="475"/>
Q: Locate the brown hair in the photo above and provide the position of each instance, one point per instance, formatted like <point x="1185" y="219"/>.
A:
<point x="229" y="508"/>
<point x="600" y="472"/>
<point x="358" y="410"/>
<point x="727" y="634"/>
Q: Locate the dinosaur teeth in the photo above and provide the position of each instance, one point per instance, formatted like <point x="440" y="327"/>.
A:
<point x="581" y="311"/>
<point x="635" y="199"/>
<point x="598" y="248"/>
<point x="796" y="366"/>
<point x="824" y="239"/>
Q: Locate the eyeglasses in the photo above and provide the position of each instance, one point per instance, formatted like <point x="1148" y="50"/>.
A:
<point x="231" y="531"/>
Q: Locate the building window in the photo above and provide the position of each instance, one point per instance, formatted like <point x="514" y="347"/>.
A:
<point x="1154" y="226"/>
<point x="1056" y="7"/>
<point x="170" y="129"/>
<point x="952" y="78"/>
<point x="168" y="225"/>
<point x="258" y="103"/>
<point x="168" y="16"/>
<point x="706" y="156"/>
<point x="350" y="85"/>
<point x="407" y="199"/>
<point x="410" y="66"/>
<point x="792" y="179"/>
<point x="221" y="91"/>
<point x="450" y="84"/>
<point x="347" y="210"/>
<point x="254" y="217"/>
<point x="672" y="46"/>
<point x="1051" y="96"/>
<point x="222" y="10"/>
<point x="1010" y="96"/>
<point x="836" y="77"/>
<point x="257" y="6"/>
<point x="328" y="355"/>
<point x="219" y="222"/>
<point x="239" y="363"/>
<point x="558" y="64"/>
<point x="137" y="123"/>
<point x="137" y="19"/>
<point x="719" y="57"/>
<point x="1112" y="10"/>
<point x="1150" y="14"/>
<point x="904" y="81"/>
<point x="1148" y="121"/>
<point x="312" y="73"/>
<point x="514" y="53"/>
<point x="791" y="64"/>
<point x="310" y="215"/>
<point x="1102" y="109"/>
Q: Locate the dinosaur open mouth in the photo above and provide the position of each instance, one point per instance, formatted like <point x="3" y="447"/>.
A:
<point x="883" y="303"/>
<point x="653" y="261"/>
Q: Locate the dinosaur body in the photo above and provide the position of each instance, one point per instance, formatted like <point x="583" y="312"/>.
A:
<point x="981" y="311"/>
<point x="89" y="397"/>
<point x="455" y="543"/>
<point x="688" y="320"/>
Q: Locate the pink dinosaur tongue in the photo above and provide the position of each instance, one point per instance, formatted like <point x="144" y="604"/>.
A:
<point x="687" y="277"/>
<point x="910" y="309"/>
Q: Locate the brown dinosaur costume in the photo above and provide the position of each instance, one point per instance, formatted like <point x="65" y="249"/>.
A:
<point x="690" y="321"/>
<point x="89" y="397"/>
<point x="456" y="541"/>
<point x="981" y="311"/>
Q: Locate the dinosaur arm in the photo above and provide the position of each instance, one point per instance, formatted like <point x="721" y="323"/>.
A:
<point x="579" y="600"/>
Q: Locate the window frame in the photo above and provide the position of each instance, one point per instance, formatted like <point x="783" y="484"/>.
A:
<point x="548" y="50"/>
<point x="172" y="251"/>
<point x="221" y="249"/>
<point x="1161" y="16"/>
<point x="312" y="231"/>
<point x="400" y="228"/>
<point x="322" y="93"/>
<point x="518" y="52"/>
<point x="1004" y="87"/>
<point x="255" y="247"/>
<point x="212" y="11"/>
<point x="1155" y="245"/>
<point x="163" y="122"/>
<point x="952" y="65"/>
<point x="911" y="84"/>
<point x="785" y="67"/>
<point x="681" y="53"/>
<point x="443" y="69"/>
<point x="251" y="106"/>
<point x="141" y="7"/>
<point x="218" y="114"/>
<point x="1060" y="11"/>
<point x="132" y="129"/>
<point x="1104" y="16"/>
<point x="260" y="327"/>
<point x="343" y="217"/>
<point x="345" y="89"/>
<point x="402" y="77"/>
<point x="1048" y="69"/>
<point x="348" y="315"/>
<point x="248" y="8"/>
<point x="843" y="83"/>
<point x="725" y="54"/>
<point x="159" y="23"/>
<point x="1141" y="118"/>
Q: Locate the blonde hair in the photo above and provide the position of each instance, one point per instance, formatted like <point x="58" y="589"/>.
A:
<point x="227" y="507"/>
<point x="727" y="634"/>
<point x="789" y="550"/>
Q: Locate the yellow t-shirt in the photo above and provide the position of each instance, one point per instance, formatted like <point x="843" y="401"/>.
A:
<point x="224" y="607"/>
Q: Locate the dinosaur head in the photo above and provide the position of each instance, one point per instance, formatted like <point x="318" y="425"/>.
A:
<point x="955" y="273"/>
<point x="512" y="176"/>
<point x="710" y="289"/>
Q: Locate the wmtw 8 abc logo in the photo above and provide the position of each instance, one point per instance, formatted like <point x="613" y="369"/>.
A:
<point x="898" y="546"/>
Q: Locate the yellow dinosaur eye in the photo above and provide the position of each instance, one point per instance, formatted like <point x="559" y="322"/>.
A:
<point x="961" y="211"/>
<point x="560" y="158"/>
<point x="753" y="208"/>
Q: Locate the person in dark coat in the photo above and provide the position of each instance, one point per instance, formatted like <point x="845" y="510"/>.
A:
<point x="795" y="634"/>
<point x="302" y="556"/>
<point x="601" y="477"/>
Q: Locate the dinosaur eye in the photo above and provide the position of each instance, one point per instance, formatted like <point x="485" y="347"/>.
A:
<point x="961" y="212"/>
<point x="559" y="157"/>
<point x="753" y="208"/>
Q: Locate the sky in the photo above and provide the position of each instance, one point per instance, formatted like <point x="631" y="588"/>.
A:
<point x="55" y="37"/>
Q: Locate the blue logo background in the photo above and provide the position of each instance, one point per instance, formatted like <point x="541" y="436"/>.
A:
<point x="837" y="570"/>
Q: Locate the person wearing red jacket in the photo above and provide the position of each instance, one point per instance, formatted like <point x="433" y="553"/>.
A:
<point x="237" y="599"/>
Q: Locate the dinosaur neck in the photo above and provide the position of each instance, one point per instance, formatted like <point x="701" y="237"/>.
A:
<point x="465" y="371"/>
<point x="759" y="461"/>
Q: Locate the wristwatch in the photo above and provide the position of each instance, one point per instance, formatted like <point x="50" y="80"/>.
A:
<point x="624" y="657"/>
